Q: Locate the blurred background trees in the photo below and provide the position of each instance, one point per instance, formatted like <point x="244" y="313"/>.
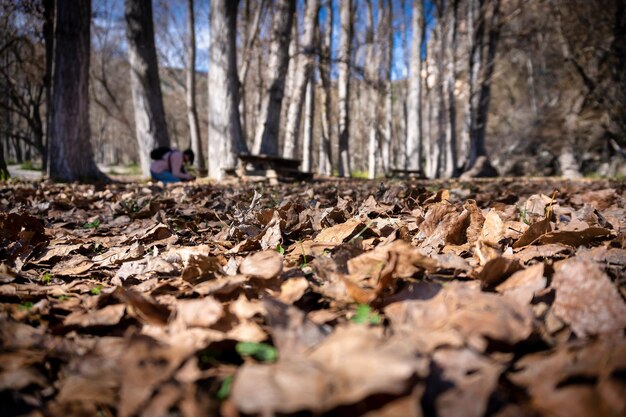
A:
<point x="359" y="87"/>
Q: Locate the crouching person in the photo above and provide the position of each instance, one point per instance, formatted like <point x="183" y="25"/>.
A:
<point x="168" y="164"/>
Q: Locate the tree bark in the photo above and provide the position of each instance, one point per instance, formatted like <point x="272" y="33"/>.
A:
<point x="346" y="20"/>
<point x="386" y="24"/>
<point x="303" y="68"/>
<point x="225" y="135"/>
<point x="150" y="125"/>
<point x="70" y="148"/>
<point x="451" y="169"/>
<point x="266" y="138"/>
<point x="309" y="115"/>
<point x="414" y="156"/>
<point x="372" y="65"/>
<point x="325" y="164"/>
<point x="48" y="37"/>
<point x="192" y="112"/>
<point x="485" y="88"/>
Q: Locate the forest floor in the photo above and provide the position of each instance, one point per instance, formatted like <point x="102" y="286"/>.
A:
<point x="340" y="297"/>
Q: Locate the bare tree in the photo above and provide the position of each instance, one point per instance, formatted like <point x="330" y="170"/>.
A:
<point x="266" y="138"/>
<point x="309" y="119"/>
<point x="192" y="112"/>
<point x="303" y="68"/>
<point x="150" y="125"/>
<point x="413" y="137"/>
<point x="225" y="134"/>
<point x="71" y="154"/>
<point x="482" y="64"/>
<point x="325" y="165"/>
<point x="346" y="19"/>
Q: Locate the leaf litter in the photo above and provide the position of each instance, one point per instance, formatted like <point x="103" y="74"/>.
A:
<point x="490" y="298"/>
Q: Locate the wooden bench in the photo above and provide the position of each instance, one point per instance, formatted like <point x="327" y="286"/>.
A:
<point x="270" y="167"/>
<point x="405" y="173"/>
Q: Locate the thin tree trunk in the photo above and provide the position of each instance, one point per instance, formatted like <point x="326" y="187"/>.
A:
<point x="225" y="135"/>
<point x="150" y="125"/>
<point x="70" y="147"/>
<point x="192" y="112"/>
<point x="266" y="138"/>
<point x="477" y="147"/>
<point x="309" y="115"/>
<point x="290" y="78"/>
<point x="372" y="65"/>
<point x="345" y="15"/>
<point x="387" y="24"/>
<point x="48" y="36"/>
<point x="413" y="128"/>
<point x="450" y="57"/>
<point x="325" y="165"/>
<point x="303" y="69"/>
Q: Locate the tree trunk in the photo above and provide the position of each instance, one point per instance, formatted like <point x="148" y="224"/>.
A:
<point x="70" y="148"/>
<point x="192" y="112"/>
<point x="225" y="135"/>
<point x="325" y="164"/>
<point x="266" y="138"/>
<point x="450" y="58"/>
<point x="372" y="66"/>
<point x="413" y="128"/>
<point x="309" y="115"/>
<point x="345" y="16"/>
<point x="48" y="37"/>
<point x="387" y="28"/>
<point x="150" y="125"/>
<point x="303" y="68"/>
<point x="485" y="88"/>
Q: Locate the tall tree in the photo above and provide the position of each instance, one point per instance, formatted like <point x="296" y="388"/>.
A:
<point x="343" y="86"/>
<point x="482" y="64"/>
<point x="372" y="66"/>
<point x="192" y="112"/>
<point x="449" y="57"/>
<point x="309" y="120"/>
<point x="225" y="134"/>
<point x="303" y="67"/>
<point x="414" y="112"/>
<point x="266" y="138"/>
<point x="386" y="28"/>
<point x="150" y="126"/>
<point x="71" y="154"/>
<point x="325" y="164"/>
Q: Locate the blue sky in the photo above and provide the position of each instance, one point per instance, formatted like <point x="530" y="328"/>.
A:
<point x="170" y="25"/>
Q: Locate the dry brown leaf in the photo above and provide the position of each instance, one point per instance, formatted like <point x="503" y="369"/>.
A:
<point x="340" y="233"/>
<point x="267" y="264"/>
<point x="586" y="298"/>
<point x="524" y="284"/>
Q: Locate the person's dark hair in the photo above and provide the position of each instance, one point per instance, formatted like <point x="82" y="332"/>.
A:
<point x="189" y="153"/>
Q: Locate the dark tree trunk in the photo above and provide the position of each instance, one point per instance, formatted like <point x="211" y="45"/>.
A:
<point x="150" y="125"/>
<point x="266" y="138"/>
<point x="48" y="37"/>
<point x="70" y="148"/>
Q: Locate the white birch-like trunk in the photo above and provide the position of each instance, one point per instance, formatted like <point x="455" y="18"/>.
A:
<point x="266" y="137"/>
<point x="450" y="96"/>
<point x="343" y="86"/>
<point x="150" y="125"/>
<point x="387" y="130"/>
<point x="307" y="138"/>
<point x="225" y="135"/>
<point x="413" y="131"/>
<point x="303" y="68"/>
<point x="192" y="112"/>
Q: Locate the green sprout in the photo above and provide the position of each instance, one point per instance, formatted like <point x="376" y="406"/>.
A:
<point x="46" y="278"/>
<point x="92" y="225"/>
<point x="96" y="290"/>
<point x="259" y="351"/>
<point x="26" y="305"/>
<point x="365" y="315"/>
<point x="280" y="249"/>
<point x="224" y="390"/>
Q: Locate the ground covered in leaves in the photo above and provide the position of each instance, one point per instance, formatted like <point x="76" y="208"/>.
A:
<point x="338" y="298"/>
